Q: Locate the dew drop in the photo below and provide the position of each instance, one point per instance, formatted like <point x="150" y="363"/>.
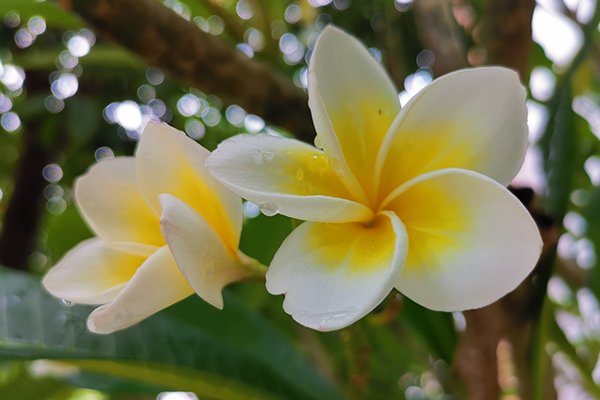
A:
<point x="67" y="303"/>
<point x="299" y="175"/>
<point x="269" y="209"/>
<point x="257" y="157"/>
<point x="334" y="316"/>
<point x="269" y="155"/>
<point x="120" y="316"/>
<point x="319" y="142"/>
<point x="309" y="265"/>
<point x="318" y="163"/>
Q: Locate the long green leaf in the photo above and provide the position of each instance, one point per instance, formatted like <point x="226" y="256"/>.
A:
<point x="212" y="349"/>
<point x="556" y="335"/>
<point x="52" y="13"/>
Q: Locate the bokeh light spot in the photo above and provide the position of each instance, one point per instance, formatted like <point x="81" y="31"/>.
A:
<point x="10" y="122"/>
<point x="52" y="173"/>
<point x="195" y="129"/>
<point x="128" y="115"/>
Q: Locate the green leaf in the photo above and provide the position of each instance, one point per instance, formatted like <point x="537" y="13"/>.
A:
<point x="16" y="383"/>
<point x="262" y="236"/>
<point x="556" y="335"/>
<point x="52" y="13"/>
<point x="436" y="329"/>
<point x="227" y="354"/>
<point x="101" y="55"/>
<point x="559" y="145"/>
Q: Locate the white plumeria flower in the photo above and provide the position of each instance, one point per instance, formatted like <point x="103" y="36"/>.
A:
<point x="165" y="227"/>
<point x="418" y="191"/>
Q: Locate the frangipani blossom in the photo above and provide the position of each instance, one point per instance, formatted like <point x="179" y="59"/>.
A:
<point x="411" y="198"/>
<point x="165" y="228"/>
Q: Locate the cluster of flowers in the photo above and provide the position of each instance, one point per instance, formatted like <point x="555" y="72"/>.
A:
<point x="411" y="198"/>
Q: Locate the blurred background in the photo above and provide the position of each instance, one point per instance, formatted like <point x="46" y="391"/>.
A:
<point x="79" y="79"/>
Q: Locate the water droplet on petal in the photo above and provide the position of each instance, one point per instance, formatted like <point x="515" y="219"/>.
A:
<point x="257" y="157"/>
<point x="318" y="163"/>
<point x="269" y="155"/>
<point x="319" y="142"/>
<point x="337" y="315"/>
<point x="269" y="209"/>
<point x="309" y="265"/>
<point x="299" y="175"/>
<point x="67" y="303"/>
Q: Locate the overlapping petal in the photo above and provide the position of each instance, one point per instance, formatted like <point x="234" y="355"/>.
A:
<point x="199" y="252"/>
<point x="170" y="162"/>
<point x="91" y="273"/>
<point x="474" y="119"/>
<point x="334" y="274"/>
<point x="353" y="102"/>
<point x="287" y="176"/>
<point x="471" y="240"/>
<point x="109" y="198"/>
<point x="157" y="284"/>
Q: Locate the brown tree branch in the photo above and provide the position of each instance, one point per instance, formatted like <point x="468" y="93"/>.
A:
<point x="507" y="34"/>
<point x="162" y="38"/>
<point x="512" y="318"/>
<point x="26" y="205"/>
<point x="440" y="33"/>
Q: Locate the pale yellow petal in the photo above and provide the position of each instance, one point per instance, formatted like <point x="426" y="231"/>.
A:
<point x="474" y="119"/>
<point x="353" y="102"/>
<point x="157" y="284"/>
<point x="199" y="252"/>
<point x="109" y="198"/>
<point x="91" y="273"/>
<point x="471" y="241"/>
<point x="334" y="274"/>
<point x="170" y="162"/>
<point x="286" y="176"/>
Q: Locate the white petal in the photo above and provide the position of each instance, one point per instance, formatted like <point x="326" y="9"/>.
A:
<point x="170" y="162"/>
<point x="471" y="240"/>
<point x="199" y="252"/>
<point x="109" y="198"/>
<point x="286" y="176"/>
<point x="474" y="119"/>
<point x="157" y="284"/>
<point x="91" y="273"/>
<point x="353" y="102"/>
<point x="334" y="274"/>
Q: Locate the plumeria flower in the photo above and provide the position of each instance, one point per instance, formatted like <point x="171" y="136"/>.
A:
<point x="165" y="228"/>
<point x="411" y="198"/>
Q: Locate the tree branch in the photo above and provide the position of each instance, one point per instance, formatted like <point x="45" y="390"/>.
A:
<point x="440" y="33"/>
<point x="162" y="38"/>
<point x="26" y="205"/>
<point x="507" y="34"/>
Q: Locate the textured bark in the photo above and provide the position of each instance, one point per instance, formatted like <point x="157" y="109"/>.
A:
<point x="507" y="34"/>
<point x="440" y="33"/>
<point x="512" y="318"/>
<point x="163" y="39"/>
<point x="506" y="38"/>
<point x="26" y="206"/>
